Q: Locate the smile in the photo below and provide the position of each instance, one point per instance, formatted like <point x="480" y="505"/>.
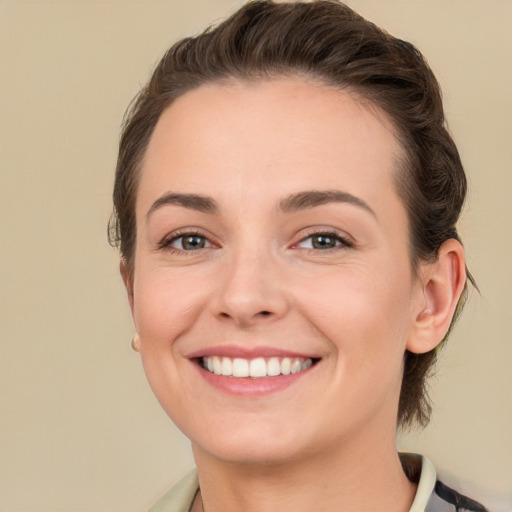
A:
<point x="256" y="368"/>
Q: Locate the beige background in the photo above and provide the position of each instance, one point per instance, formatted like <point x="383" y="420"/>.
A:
<point x="80" y="429"/>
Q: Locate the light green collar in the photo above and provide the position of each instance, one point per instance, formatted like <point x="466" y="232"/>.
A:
<point x="426" y="483"/>
<point x="180" y="497"/>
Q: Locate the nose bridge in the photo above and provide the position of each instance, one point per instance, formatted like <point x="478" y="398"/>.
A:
<point x="251" y="289"/>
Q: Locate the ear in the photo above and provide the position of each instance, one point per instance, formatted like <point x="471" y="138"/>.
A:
<point x="442" y="283"/>
<point x="127" y="276"/>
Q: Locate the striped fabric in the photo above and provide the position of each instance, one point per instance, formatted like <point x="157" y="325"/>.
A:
<point x="445" y="499"/>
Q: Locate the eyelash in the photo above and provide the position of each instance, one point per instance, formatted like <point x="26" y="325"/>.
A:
<point x="341" y="241"/>
<point x="166" y="244"/>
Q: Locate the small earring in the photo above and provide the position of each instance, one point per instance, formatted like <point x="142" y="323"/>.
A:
<point x="135" y="343"/>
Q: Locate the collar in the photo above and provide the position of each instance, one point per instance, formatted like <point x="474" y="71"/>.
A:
<point x="426" y="480"/>
<point x="180" y="497"/>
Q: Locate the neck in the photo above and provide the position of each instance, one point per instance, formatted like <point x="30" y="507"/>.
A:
<point x="364" y="477"/>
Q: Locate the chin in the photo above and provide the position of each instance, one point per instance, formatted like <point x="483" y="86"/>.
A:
<point x="251" y="453"/>
<point x="252" y="445"/>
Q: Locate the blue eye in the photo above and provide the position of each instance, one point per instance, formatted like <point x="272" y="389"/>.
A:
<point x="324" y="241"/>
<point x="189" y="242"/>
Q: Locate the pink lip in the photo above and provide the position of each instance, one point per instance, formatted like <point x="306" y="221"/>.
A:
<point x="246" y="352"/>
<point x="250" y="387"/>
<point x="247" y="386"/>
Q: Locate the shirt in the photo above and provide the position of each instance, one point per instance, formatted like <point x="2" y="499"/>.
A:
<point x="431" y="494"/>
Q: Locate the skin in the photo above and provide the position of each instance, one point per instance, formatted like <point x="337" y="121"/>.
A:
<point x="259" y="281"/>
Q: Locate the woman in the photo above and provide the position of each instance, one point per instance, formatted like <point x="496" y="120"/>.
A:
<point x="286" y="201"/>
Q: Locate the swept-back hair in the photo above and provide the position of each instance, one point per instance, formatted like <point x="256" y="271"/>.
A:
<point x="327" y="42"/>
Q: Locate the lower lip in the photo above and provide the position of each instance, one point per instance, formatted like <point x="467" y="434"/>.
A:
<point x="251" y="387"/>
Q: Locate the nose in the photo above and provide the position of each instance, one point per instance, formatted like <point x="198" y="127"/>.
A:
<point x="251" y="291"/>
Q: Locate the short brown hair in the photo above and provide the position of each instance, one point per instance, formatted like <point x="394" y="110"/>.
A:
<point x="326" y="41"/>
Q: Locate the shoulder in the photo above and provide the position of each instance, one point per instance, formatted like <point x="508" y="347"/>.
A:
<point x="180" y="497"/>
<point x="432" y="495"/>
<point x="451" y="500"/>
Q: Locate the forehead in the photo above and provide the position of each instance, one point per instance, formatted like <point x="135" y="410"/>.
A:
<point x="276" y="135"/>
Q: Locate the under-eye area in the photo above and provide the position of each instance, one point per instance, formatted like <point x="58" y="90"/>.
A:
<point x="259" y="367"/>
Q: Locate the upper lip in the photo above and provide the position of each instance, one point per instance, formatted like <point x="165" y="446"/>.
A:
<point x="244" y="352"/>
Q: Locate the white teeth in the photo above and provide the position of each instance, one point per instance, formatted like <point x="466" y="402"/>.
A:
<point x="217" y="366"/>
<point x="273" y="367"/>
<point x="226" y="367"/>
<point x="286" y="366"/>
<point x="255" y="368"/>
<point x="296" y="366"/>
<point x="240" y="367"/>
<point x="258" y="367"/>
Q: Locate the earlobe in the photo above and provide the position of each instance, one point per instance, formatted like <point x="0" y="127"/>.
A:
<point x="127" y="280"/>
<point x="443" y="282"/>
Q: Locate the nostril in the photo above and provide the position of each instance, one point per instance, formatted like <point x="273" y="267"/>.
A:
<point x="244" y="317"/>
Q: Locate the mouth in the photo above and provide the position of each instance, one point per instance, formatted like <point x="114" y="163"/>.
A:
<point x="252" y="372"/>
<point x="257" y="368"/>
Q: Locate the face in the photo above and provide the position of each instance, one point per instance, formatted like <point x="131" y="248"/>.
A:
<point x="272" y="290"/>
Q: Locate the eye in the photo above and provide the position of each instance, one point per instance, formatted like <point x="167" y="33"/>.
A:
<point x="324" y="241"/>
<point x="188" y="242"/>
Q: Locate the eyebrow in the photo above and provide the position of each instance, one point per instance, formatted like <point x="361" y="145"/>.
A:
<point x="312" y="198"/>
<point x="292" y="203"/>
<point x="193" y="201"/>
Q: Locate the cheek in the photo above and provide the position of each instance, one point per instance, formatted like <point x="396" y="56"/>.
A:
<point x="365" y="315"/>
<point x="165" y="305"/>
